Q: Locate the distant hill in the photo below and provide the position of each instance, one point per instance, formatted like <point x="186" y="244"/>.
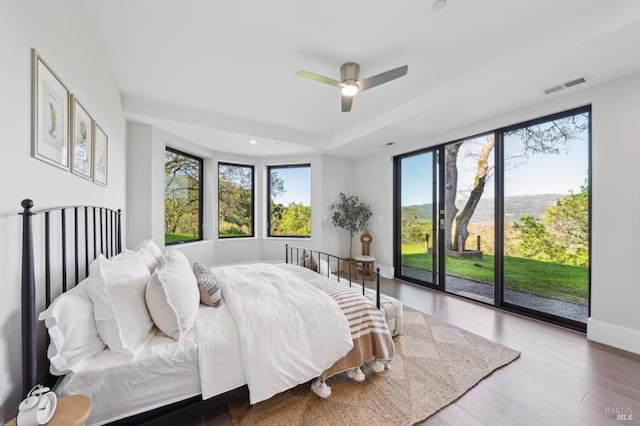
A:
<point x="515" y="207"/>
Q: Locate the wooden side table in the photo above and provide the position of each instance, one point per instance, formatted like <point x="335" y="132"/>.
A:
<point x="71" y="410"/>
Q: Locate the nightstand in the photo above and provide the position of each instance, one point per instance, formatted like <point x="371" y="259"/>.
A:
<point x="71" y="410"/>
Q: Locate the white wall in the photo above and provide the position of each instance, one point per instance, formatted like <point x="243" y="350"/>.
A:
<point x="139" y="184"/>
<point x="374" y="177"/>
<point x="338" y="175"/>
<point x="615" y="317"/>
<point x="615" y="273"/>
<point x="59" y="33"/>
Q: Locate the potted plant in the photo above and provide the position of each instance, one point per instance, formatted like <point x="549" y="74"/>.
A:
<point x="352" y="215"/>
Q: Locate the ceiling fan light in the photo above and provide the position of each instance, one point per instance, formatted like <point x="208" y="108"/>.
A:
<point x="350" y="89"/>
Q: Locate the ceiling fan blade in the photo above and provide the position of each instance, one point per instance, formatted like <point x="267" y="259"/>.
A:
<point x="320" y="78"/>
<point x="346" y="103"/>
<point x="381" y="78"/>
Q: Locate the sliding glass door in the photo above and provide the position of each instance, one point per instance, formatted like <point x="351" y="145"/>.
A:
<point x="417" y="203"/>
<point x="469" y="217"/>
<point x="546" y="217"/>
<point x="502" y="218"/>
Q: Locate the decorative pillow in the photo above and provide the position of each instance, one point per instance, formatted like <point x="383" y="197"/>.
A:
<point x="210" y="293"/>
<point x="119" y="308"/>
<point x="307" y="261"/>
<point x="172" y="295"/>
<point x="72" y="329"/>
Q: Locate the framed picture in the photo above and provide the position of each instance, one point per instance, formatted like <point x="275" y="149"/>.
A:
<point x="100" y="156"/>
<point x="81" y="140"/>
<point x="49" y="115"/>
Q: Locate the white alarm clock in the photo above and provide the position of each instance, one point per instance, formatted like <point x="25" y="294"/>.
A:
<point x="38" y="407"/>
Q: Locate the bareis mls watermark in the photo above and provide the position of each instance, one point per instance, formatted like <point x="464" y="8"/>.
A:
<point x="619" y="413"/>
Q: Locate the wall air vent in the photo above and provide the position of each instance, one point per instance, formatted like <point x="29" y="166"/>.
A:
<point x="565" y="85"/>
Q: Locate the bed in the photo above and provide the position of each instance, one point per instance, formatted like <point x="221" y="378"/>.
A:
<point x="224" y="353"/>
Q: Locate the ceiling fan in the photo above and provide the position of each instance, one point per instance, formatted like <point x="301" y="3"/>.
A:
<point x="350" y="85"/>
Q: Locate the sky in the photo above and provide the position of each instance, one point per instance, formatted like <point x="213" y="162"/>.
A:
<point x="538" y="174"/>
<point x="297" y="183"/>
<point x="417" y="173"/>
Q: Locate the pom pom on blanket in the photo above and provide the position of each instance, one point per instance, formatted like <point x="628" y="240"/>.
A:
<point x="356" y="374"/>
<point x="321" y="389"/>
<point x="378" y="366"/>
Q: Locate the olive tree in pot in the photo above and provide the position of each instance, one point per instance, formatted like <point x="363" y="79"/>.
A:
<point x="352" y="215"/>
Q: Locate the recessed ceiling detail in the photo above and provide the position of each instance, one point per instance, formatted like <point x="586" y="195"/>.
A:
<point x="240" y="82"/>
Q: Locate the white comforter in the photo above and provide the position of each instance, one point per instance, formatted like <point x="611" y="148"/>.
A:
<point x="290" y="332"/>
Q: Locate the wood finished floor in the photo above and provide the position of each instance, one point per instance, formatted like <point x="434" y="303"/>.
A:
<point x="560" y="377"/>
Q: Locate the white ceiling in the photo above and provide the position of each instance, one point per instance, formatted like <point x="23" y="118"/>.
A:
<point x="222" y="73"/>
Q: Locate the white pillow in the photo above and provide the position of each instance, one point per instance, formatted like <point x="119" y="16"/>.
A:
<point x="149" y="259"/>
<point x="173" y="296"/>
<point x="306" y="260"/>
<point x="119" y="307"/>
<point x="72" y="329"/>
<point x="152" y="247"/>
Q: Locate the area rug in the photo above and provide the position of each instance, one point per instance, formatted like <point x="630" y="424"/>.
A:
<point x="435" y="364"/>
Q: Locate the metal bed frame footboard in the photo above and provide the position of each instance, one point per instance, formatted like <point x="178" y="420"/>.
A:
<point x="68" y="239"/>
<point x="292" y="256"/>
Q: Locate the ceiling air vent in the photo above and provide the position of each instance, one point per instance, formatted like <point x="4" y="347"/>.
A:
<point x="553" y="89"/>
<point x="389" y="144"/>
<point x="575" y="82"/>
<point x="565" y="85"/>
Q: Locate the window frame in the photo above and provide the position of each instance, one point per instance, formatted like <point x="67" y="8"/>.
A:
<point x="268" y="198"/>
<point x="253" y="200"/>
<point x="200" y="195"/>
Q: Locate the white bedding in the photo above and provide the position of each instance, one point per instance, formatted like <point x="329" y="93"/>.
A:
<point x="166" y="371"/>
<point x="272" y="331"/>
<point x="218" y="351"/>
<point x="290" y="332"/>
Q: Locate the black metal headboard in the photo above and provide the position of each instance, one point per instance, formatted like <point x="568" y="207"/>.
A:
<point x="67" y="240"/>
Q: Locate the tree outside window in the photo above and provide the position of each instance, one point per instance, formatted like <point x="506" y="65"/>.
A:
<point x="289" y="200"/>
<point x="183" y="197"/>
<point x="235" y="200"/>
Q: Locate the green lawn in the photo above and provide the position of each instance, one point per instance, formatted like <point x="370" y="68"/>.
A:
<point x="234" y="234"/>
<point x="172" y="238"/>
<point x="534" y="276"/>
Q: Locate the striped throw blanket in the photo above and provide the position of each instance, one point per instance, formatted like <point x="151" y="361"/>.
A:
<point x="369" y="331"/>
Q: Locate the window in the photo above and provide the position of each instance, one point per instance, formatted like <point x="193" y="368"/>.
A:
<point x="235" y="200"/>
<point x="289" y="196"/>
<point x="182" y="197"/>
